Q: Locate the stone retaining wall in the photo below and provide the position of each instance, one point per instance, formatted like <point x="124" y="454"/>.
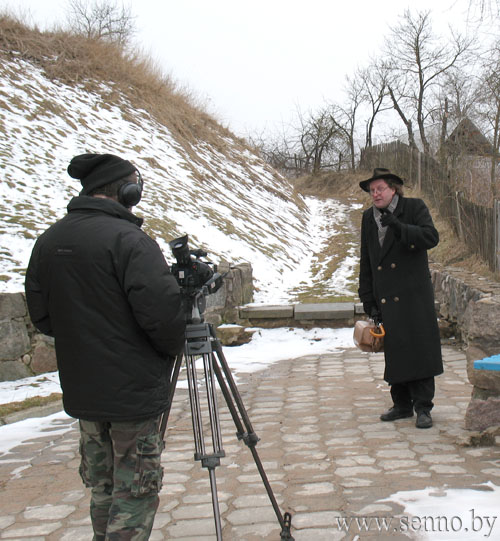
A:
<point x="15" y="343"/>
<point x="25" y="352"/>
<point x="471" y="304"/>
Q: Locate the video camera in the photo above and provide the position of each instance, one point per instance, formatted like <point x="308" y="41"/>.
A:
<point x="196" y="278"/>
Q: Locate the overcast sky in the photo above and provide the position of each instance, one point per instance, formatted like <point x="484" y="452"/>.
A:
<point x="253" y="63"/>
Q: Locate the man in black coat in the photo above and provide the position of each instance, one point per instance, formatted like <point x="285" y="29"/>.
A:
<point x="101" y="287"/>
<point x="395" y="287"/>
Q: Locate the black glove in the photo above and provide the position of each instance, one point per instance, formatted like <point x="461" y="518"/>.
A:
<point x="376" y="316"/>
<point x="371" y="310"/>
<point x="368" y="306"/>
<point x="389" y="220"/>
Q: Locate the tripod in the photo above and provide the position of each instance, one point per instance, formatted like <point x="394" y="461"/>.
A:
<point x="201" y="341"/>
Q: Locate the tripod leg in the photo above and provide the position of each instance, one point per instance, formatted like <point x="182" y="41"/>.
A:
<point x="215" y="504"/>
<point x="194" y="398"/>
<point x="208" y="460"/>
<point x="249" y="437"/>
<point x="173" y="384"/>
<point x="213" y="408"/>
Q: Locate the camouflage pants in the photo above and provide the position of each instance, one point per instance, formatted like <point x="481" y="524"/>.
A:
<point x="121" y="464"/>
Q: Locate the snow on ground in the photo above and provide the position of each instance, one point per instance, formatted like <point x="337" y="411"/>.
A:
<point x="447" y="514"/>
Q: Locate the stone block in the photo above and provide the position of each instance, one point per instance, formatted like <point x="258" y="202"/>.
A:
<point x="358" y="309"/>
<point x="482" y="414"/>
<point x="481" y="324"/>
<point x="331" y="310"/>
<point x="236" y="290"/>
<point x="234" y="335"/>
<point x="13" y="370"/>
<point x="15" y="340"/>
<point x="246" y="294"/>
<point x="12" y="305"/>
<point x="453" y="295"/>
<point x="266" y="311"/>
<point x="43" y="358"/>
<point x="483" y="379"/>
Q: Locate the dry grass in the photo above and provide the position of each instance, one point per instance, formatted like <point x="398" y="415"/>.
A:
<point x="77" y="60"/>
<point x="449" y="252"/>
<point x="36" y="401"/>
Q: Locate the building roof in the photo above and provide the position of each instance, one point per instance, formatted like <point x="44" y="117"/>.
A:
<point x="467" y="137"/>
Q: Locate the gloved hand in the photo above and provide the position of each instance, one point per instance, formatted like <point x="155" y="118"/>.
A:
<point x="389" y="220"/>
<point x="371" y="310"/>
<point x="376" y="316"/>
<point x="368" y="306"/>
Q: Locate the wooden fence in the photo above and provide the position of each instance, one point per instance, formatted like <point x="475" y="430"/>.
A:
<point x="476" y="225"/>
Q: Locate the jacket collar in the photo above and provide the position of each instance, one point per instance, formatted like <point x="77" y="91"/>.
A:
<point x="107" y="206"/>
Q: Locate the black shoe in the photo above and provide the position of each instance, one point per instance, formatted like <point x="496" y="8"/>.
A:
<point x="396" y="413"/>
<point x="424" y="420"/>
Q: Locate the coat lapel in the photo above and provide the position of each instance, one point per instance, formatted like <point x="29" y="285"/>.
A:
<point x="374" y="243"/>
<point x="389" y="235"/>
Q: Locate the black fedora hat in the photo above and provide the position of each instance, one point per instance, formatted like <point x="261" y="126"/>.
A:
<point x="379" y="173"/>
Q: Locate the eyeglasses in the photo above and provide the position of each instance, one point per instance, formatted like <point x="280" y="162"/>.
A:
<point x="374" y="191"/>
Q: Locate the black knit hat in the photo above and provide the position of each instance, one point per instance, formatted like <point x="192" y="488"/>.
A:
<point x="96" y="170"/>
<point x="380" y="173"/>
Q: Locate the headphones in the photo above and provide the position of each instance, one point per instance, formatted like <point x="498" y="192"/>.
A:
<point x="130" y="193"/>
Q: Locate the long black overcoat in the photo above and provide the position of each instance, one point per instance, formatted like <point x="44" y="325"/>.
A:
<point x="396" y="276"/>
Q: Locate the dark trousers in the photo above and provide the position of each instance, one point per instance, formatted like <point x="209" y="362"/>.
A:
<point x="415" y="395"/>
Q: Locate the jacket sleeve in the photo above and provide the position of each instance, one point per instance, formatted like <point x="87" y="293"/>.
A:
<point x="37" y="305"/>
<point x="155" y="297"/>
<point x="365" y="290"/>
<point x="419" y="233"/>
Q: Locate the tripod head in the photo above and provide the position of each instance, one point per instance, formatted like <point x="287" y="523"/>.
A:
<point x="197" y="278"/>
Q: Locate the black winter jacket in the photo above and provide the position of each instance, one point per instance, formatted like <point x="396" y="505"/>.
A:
<point x="101" y="287"/>
<point x="396" y="277"/>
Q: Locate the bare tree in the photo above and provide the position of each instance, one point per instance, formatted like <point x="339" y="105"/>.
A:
<point x="279" y="151"/>
<point x="407" y="121"/>
<point x="457" y="100"/>
<point x="101" y="19"/>
<point x="487" y="8"/>
<point x="374" y="92"/>
<point x="344" y="117"/>
<point x="416" y="63"/>
<point x="489" y="94"/>
<point x="317" y="141"/>
<point x="317" y="133"/>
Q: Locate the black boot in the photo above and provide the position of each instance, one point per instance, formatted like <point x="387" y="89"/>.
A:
<point x="424" y="419"/>
<point x="396" y="413"/>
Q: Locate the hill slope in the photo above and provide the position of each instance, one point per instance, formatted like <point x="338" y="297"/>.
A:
<point x="210" y="186"/>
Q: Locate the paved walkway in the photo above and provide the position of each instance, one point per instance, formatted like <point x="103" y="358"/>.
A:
<point x="326" y="454"/>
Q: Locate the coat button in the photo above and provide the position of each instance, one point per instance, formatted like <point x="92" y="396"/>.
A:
<point x="379" y="267"/>
<point x="383" y="301"/>
<point x="396" y="299"/>
<point x="412" y="246"/>
<point x="393" y="265"/>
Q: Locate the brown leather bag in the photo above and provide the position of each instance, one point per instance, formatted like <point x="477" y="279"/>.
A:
<point x="368" y="336"/>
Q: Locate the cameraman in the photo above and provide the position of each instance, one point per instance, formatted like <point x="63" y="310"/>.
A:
<point x="101" y="287"/>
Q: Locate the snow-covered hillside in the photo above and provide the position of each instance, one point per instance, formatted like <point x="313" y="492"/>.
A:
<point x="225" y="197"/>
